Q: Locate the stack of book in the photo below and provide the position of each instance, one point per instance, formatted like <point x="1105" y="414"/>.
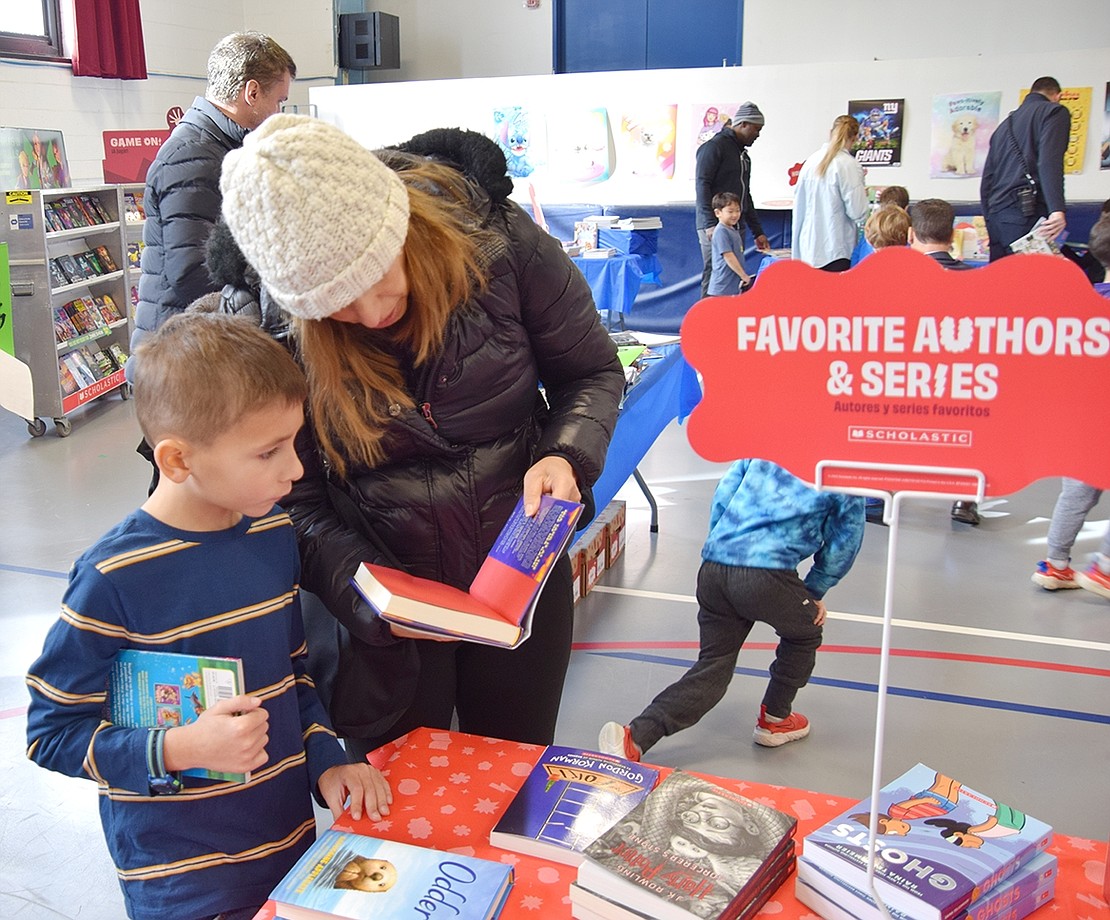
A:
<point x="600" y="252"/>
<point x="690" y="849"/>
<point x="73" y="211"/>
<point x="569" y="799"/>
<point x="640" y="223"/>
<point x="354" y="876"/>
<point x="942" y="851"/>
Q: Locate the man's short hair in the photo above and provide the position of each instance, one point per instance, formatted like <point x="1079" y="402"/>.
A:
<point x="894" y="194"/>
<point x="888" y="226"/>
<point x="932" y="220"/>
<point x="243" y="56"/>
<point x="200" y="374"/>
<point x="1098" y="243"/>
<point x="724" y="199"/>
<point x="1046" y="86"/>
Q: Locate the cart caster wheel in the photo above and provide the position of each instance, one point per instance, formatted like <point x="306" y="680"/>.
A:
<point x="36" y="427"/>
<point x="63" y="426"/>
<point x="125" y="391"/>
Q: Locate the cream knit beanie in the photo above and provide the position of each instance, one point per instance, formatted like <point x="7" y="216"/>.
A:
<point x="317" y="214"/>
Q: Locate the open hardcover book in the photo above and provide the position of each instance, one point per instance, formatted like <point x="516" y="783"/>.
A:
<point x="497" y="610"/>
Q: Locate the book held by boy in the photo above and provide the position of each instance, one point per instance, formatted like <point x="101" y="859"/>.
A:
<point x="940" y="844"/>
<point x="148" y="689"/>
<point x="354" y="876"/>
<point x="497" y="609"/>
<point x="570" y="798"/>
<point x="692" y="848"/>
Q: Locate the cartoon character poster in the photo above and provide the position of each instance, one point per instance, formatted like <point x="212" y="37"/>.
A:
<point x="646" y="142"/>
<point x="880" y="131"/>
<point x="521" y="136"/>
<point x="1077" y="100"/>
<point x="581" y="145"/>
<point x="1104" y="157"/>
<point x="701" y="121"/>
<point x="32" y="158"/>
<point x="961" y="131"/>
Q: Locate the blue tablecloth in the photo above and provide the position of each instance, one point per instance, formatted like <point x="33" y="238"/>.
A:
<point x="668" y="388"/>
<point x="616" y="281"/>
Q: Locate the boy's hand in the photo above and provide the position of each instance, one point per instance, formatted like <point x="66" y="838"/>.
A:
<point x="229" y="737"/>
<point x="822" y="612"/>
<point x="367" y="788"/>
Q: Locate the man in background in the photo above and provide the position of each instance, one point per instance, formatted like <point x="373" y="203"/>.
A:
<point x="723" y="165"/>
<point x="1023" y="177"/>
<point x="249" y="75"/>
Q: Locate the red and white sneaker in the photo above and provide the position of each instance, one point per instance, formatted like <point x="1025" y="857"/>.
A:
<point x="1094" y="579"/>
<point x="1053" y="579"/>
<point x="616" y="741"/>
<point x="772" y="734"/>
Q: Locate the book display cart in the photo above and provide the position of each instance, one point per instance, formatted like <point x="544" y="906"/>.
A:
<point x="70" y="298"/>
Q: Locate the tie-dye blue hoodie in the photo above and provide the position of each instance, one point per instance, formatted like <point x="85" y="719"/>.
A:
<point x="766" y="518"/>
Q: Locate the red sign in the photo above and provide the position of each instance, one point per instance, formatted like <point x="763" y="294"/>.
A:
<point x="128" y="154"/>
<point x="902" y="362"/>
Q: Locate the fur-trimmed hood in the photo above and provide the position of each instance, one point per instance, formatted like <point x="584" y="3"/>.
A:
<point x="473" y="154"/>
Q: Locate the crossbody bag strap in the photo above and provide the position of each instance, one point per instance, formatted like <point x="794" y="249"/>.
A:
<point x="1018" y="150"/>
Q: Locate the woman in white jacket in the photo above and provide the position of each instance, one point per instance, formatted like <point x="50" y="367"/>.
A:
<point x="830" y="201"/>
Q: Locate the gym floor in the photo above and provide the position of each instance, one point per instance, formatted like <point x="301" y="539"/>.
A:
<point x="991" y="679"/>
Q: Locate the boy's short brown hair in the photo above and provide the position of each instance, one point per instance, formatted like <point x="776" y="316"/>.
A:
<point x="888" y="226"/>
<point x="724" y="199"/>
<point x="1098" y="243"/>
<point x="933" y="221"/>
<point x="894" y="194"/>
<point x="200" y="373"/>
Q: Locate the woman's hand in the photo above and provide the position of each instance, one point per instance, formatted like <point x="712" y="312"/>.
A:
<point x="549" y="476"/>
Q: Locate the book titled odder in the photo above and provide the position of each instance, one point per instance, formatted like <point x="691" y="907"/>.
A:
<point x="568" y="800"/>
<point x="940" y="845"/>
<point x="355" y="876"/>
<point x="497" y="610"/>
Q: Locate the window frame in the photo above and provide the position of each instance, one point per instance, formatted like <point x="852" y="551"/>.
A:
<point x="48" y="46"/>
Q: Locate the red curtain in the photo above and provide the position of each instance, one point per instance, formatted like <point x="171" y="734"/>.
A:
<point x="108" y="40"/>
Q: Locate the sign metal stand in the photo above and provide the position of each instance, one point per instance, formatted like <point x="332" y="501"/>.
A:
<point x="892" y="504"/>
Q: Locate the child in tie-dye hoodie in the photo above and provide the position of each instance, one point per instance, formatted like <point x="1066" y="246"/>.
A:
<point x="764" y="522"/>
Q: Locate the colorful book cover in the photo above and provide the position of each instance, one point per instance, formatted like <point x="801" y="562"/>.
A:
<point x="497" y="610"/>
<point x="106" y="259"/>
<point x="570" y="798"/>
<point x="354" y="876"/>
<point x="690" y="849"/>
<point x="940" y="844"/>
<point x="1029" y="887"/>
<point x="880" y="131"/>
<point x="166" y="689"/>
<point x="961" y="131"/>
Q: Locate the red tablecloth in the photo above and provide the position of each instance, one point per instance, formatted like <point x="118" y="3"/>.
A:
<point x="449" y="789"/>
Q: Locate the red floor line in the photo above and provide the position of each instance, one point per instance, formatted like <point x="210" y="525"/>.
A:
<point x="864" y="650"/>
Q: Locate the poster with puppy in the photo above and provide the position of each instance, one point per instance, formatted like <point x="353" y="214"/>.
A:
<point x="961" y="131"/>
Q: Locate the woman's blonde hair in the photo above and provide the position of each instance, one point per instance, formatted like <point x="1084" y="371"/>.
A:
<point x="354" y="375"/>
<point x="844" y="132"/>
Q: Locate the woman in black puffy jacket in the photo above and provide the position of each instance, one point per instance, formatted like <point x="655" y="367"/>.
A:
<point x="455" y="361"/>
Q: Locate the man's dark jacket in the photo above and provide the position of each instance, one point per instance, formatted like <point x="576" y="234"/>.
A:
<point x="723" y="165"/>
<point x="182" y="202"/>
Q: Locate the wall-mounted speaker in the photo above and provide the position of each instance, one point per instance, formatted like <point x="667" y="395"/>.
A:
<point x="369" y="41"/>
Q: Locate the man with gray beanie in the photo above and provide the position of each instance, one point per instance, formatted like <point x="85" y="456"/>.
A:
<point x="723" y="165"/>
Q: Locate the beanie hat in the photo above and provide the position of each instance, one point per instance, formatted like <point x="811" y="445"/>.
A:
<point x="317" y="214"/>
<point x="748" y="112"/>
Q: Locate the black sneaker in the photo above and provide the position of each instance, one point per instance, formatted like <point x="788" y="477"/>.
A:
<point x="965" y="512"/>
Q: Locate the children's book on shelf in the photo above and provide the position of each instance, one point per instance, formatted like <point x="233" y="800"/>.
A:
<point x="65" y="376"/>
<point x="57" y="276"/>
<point x="148" y="689"/>
<point x="940" y="844"/>
<point x="105" y="366"/>
<point x="497" y="610"/>
<point x="106" y="259"/>
<point x="133" y="211"/>
<point x="118" y="354"/>
<point x="570" y="798"/>
<point x="354" y="876"/>
<point x="72" y="272"/>
<point x="53" y="221"/>
<point x="79" y="369"/>
<point x="107" y="307"/>
<point x="94" y="206"/>
<point x="1027" y="889"/>
<point x="692" y="848"/>
<point x="135" y="253"/>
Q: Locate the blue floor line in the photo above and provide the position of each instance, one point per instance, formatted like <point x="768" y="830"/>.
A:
<point x="862" y="686"/>
<point x="25" y="570"/>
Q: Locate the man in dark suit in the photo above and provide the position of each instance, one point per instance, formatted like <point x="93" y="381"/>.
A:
<point x="1023" y="177"/>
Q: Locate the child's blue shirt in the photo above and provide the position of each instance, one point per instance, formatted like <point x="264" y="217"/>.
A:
<point x="724" y="280"/>
<point x="766" y="518"/>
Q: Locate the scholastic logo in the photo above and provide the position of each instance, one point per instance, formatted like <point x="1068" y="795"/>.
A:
<point x="938" y="437"/>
